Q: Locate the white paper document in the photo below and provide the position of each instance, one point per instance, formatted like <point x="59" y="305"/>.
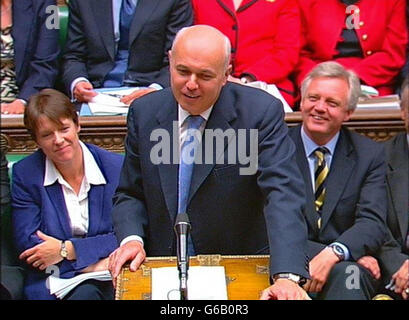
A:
<point x="204" y="283"/>
<point x="368" y="90"/>
<point x="61" y="287"/>
<point x="107" y="101"/>
<point x="107" y="104"/>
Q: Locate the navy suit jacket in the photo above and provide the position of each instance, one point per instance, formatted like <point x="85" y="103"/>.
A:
<point x="36" y="207"/>
<point x="35" y="47"/>
<point x="355" y="205"/>
<point x="397" y="180"/>
<point x="229" y="213"/>
<point x="90" y="47"/>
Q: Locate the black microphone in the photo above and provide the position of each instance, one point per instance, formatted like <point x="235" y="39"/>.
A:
<point x="182" y="229"/>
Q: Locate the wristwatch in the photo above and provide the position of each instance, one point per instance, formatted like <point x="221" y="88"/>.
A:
<point x="339" y="252"/>
<point x="63" y="250"/>
<point x="290" y="276"/>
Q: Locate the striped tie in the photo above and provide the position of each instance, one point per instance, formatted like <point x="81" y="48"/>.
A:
<point x="187" y="157"/>
<point x="321" y="174"/>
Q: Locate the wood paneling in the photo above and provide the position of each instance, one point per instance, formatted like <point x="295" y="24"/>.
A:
<point x="109" y="131"/>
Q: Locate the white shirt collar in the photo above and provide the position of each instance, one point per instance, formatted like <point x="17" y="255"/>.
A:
<point x="92" y="173"/>
<point x="183" y="114"/>
<point x="310" y="145"/>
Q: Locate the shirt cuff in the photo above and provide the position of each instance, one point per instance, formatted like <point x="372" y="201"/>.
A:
<point x="74" y="83"/>
<point x="131" y="238"/>
<point x="23" y="102"/>
<point x="345" y="249"/>
<point x="156" y="86"/>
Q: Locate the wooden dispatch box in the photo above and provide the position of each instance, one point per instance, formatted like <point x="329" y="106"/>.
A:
<point x="246" y="276"/>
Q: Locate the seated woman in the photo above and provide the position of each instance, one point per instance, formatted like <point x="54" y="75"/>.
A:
<point x="370" y="40"/>
<point x="264" y="35"/>
<point x="29" y="52"/>
<point x="61" y="200"/>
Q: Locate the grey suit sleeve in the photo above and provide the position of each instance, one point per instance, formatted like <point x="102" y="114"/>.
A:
<point x="43" y="63"/>
<point x="281" y="182"/>
<point x="129" y="212"/>
<point x="181" y="16"/>
<point x="76" y="50"/>
<point x="390" y="257"/>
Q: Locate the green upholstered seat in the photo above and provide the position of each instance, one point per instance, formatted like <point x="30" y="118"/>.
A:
<point x="63" y="20"/>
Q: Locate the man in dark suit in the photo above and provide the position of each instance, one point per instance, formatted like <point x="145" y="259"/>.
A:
<point x="346" y="194"/>
<point x="394" y="255"/>
<point x="113" y="43"/>
<point x="232" y="211"/>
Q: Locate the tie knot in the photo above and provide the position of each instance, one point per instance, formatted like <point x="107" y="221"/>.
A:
<point x="194" y="122"/>
<point x="128" y="5"/>
<point x="320" y="152"/>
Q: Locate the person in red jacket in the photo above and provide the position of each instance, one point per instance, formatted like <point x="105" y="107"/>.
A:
<point x="264" y="35"/>
<point x="366" y="36"/>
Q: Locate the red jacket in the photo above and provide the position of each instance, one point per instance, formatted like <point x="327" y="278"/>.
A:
<point x="382" y="34"/>
<point x="265" y="37"/>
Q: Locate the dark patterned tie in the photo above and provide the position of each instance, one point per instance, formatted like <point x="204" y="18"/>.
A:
<point x="321" y="173"/>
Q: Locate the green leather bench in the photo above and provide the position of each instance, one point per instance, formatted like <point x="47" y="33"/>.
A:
<point x="12" y="159"/>
<point x="63" y="19"/>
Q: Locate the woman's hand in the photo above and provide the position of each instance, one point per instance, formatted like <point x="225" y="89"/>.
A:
<point x="44" y="254"/>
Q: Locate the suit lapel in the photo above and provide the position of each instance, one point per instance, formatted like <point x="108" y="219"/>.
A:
<point x="341" y="169"/>
<point x="143" y="11"/>
<point x="246" y="4"/>
<point x="219" y="118"/>
<point x="103" y="12"/>
<point x="398" y="178"/>
<point x="310" y="212"/>
<point x="95" y="207"/>
<point x="57" y="199"/>
<point x="168" y="173"/>
<point x="228" y="6"/>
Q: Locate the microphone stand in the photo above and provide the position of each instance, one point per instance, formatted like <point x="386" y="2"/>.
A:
<point x="182" y="228"/>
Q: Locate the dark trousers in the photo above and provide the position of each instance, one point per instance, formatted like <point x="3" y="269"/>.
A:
<point x="92" y="290"/>
<point x="349" y="281"/>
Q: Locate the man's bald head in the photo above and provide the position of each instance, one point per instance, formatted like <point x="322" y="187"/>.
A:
<point x="199" y="67"/>
<point x="206" y="37"/>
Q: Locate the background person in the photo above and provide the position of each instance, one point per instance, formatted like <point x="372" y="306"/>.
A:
<point x="114" y="43"/>
<point x="265" y="38"/>
<point x="29" y="52"/>
<point x="373" y="44"/>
